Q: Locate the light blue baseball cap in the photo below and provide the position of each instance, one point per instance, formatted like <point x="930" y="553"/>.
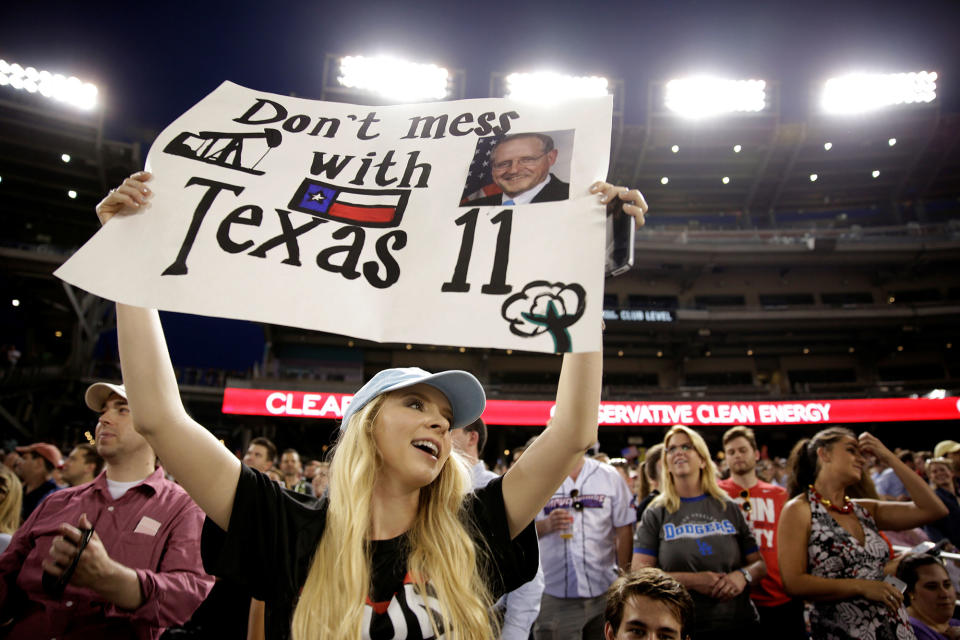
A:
<point x="463" y="391"/>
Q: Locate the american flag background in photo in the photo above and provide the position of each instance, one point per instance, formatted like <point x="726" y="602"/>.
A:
<point x="479" y="179"/>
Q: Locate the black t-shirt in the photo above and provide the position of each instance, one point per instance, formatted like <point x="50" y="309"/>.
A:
<point x="273" y="534"/>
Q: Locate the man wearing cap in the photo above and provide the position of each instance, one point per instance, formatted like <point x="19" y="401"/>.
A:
<point x="520" y="606"/>
<point x="35" y="468"/>
<point x="139" y="571"/>
<point x="950" y="450"/>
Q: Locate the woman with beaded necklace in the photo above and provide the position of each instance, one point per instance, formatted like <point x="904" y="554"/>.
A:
<point x="829" y="547"/>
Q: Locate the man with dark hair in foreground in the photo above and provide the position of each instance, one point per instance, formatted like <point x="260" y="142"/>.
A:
<point x="647" y="605"/>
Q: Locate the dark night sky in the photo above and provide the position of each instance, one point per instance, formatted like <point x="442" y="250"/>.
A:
<point x="153" y="61"/>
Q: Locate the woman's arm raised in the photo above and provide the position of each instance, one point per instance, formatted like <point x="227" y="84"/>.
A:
<point x="925" y="507"/>
<point x="573" y="429"/>
<point x="203" y="466"/>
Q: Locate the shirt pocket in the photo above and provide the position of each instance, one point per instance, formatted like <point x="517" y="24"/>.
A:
<point x="138" y="550"/>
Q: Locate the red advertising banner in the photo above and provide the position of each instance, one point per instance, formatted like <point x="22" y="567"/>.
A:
<point x="304" y="404"/>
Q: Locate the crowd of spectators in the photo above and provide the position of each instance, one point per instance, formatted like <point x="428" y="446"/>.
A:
<point x="677" y="542"/>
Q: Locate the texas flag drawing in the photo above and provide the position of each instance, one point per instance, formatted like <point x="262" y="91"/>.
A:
<point x="361" y="207"/>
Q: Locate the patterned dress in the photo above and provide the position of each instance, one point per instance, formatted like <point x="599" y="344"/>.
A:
<point x="834" y="553"/>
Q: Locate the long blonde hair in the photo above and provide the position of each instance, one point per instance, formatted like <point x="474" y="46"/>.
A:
<point x="441" y="550"/>
<point x="10" y="506"/>
<point x="669" y="497"/>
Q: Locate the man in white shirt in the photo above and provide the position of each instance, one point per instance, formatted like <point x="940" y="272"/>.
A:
<point x="520" y="166"/>
<point x="521" y="605"/>
<point x="585" y="533"/>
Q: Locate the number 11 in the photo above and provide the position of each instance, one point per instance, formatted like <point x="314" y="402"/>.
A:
<point x="498" y="275"/>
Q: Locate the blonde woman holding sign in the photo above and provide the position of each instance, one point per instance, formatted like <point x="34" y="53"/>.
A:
<point x="401" y="547"/>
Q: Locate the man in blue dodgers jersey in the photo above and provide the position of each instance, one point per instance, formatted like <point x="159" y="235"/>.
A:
<point x="520" y="606"/>
<point x="585" y="534"/>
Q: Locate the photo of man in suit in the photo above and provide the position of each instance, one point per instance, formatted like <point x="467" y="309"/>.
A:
<point x="520" y="166"/>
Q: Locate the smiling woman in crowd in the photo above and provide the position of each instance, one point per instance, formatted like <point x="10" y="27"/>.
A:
<point x="699" y="536"/>
<point x="940" y="472"/>
<point x="829" y="546"/>
<point x="399" y="547"/>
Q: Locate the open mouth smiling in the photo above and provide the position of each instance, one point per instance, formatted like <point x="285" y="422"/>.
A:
<point x="429" y="447"/>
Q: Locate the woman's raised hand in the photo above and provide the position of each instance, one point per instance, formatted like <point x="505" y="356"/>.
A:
<point x="132" y="192"/>
<point x="633" y="202"/>
<point x="869" y="443"/>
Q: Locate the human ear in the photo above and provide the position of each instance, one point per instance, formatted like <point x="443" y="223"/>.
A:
<point x="823" y="454"/>
<point x="608" y="632"/>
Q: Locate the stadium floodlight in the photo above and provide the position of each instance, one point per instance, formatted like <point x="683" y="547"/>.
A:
<point x="813" y="177"/>
<point x="72" y="194"/>
<point x="876" y="173"/>
<point x="862" y="92"/>
<point x="892" y="141"/>
<point x="664" y="180"/>
<point x="675" y="148"/>
<point x="725" y="180"/>
<point x="65" y="157"/>
<point x="827" y="146"/>
<point x="550" y="87"/>
<point x="395" y="79"/>
<point x="704" y="96"/>
<point x="15" y="302"/>
<point x="55" y="86"/>
<point x="737" y="148"/>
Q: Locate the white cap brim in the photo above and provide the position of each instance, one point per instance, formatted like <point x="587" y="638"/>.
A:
<point x="97" y="394"/>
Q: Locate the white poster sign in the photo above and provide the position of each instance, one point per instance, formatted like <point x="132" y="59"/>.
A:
<point x="382" y="223"/>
